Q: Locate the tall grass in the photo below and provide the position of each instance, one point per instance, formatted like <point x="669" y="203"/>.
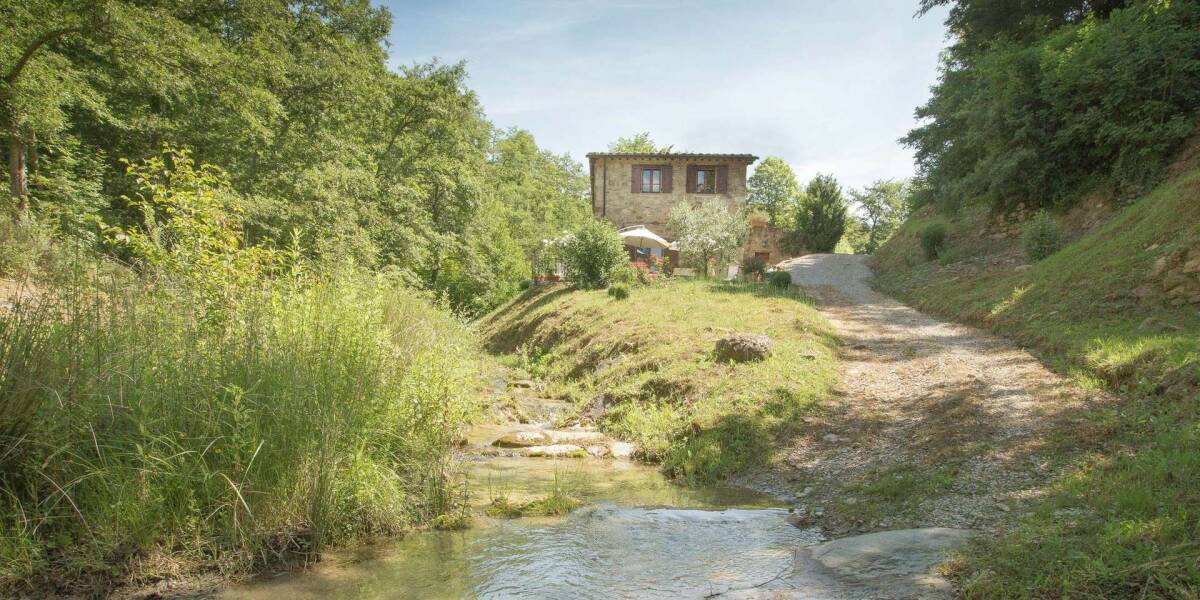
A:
<point x="143" y="433"/>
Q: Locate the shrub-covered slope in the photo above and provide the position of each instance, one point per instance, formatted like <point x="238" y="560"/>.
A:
<point x="1115" y="306"/>
<point x="644" y="366"/>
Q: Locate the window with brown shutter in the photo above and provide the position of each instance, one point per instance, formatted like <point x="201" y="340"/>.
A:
<point x="650" y="179"/>
<point x="704" y="179"/>
<point x="723" y="179"/>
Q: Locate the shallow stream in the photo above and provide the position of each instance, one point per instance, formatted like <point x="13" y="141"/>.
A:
<point x="637" y="536"/>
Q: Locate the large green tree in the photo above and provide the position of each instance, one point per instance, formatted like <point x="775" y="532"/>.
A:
<point x="773" y="188"/>
<point x="820" y="216"/>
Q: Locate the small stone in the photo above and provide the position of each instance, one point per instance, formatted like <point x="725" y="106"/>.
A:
<point x="832" y="438"/>
<point x="1003" y="507"/>
<point x="743" y="347"/>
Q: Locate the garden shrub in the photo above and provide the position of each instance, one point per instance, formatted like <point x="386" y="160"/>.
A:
<point x="754" y="265"/>
<point x="933" y="238"/>
<point x="1041" y="236"/>
<point x="780" y="280"/>
<point x="593" y="254"/>
<point x="618" y="291"/>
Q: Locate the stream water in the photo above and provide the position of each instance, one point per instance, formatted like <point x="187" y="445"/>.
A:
<point x="638" y="536"/>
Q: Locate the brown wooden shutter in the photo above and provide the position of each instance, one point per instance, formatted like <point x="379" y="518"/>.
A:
<point x="689" y="184"/>
<point x="722" y="179"/>
<point x="666" y="179"/>
<point x="635" y="179"/>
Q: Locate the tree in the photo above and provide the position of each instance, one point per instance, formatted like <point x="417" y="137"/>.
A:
<point x="883" y="206"/>
<point x="709" y="233"/>
<point x="638" y="143"/>
<point x="773" y="187"/>
<point x="821" y="214"/>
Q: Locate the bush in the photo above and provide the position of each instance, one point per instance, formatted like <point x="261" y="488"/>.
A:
<point x="1041" y="236"/>
<point x="754" y="265"/>
<point x="619" y="291"/>
<point x="933" y="238"/>
<point x="326" y="408"/>
<point x="593" y="254"/>
<point x="780" y="280"/>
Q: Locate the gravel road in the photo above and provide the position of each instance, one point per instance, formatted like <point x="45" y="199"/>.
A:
<point x="958" y="417"/>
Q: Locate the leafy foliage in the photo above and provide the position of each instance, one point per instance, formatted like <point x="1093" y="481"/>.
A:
<point x="780" y="280"/>
<point x="883" y="206"/>
<point x="773" y="188"/>
<point x="295" y="103"/>
<point x="1035" y="103"/>
<point x="1042" y="236"/>
<point x="754" y="266"/>
<point x="708" y="233"/>
<point x="618" y="291"/>
<point x="594" y="254"/>
<point x="820" y="217"/>
<point x="638" y="143"/>
<point x="211" y="411"/>
<point x="933" y="238"/>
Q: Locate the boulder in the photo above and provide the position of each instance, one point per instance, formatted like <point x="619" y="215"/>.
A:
<point x="743" y="347"/>
<point x="522" y="439"/>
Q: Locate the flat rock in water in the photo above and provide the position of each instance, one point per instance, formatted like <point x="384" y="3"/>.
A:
<point x="885" y="564"/>
<point x="558" y="437"/>
<point x="522" y="439"/>
<point x="901" y="560"/>
<point x="557" y="451"/>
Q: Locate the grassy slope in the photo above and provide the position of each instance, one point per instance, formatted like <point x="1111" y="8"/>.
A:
<point x="650" y="358"/>
<point x="1124" y="522"/>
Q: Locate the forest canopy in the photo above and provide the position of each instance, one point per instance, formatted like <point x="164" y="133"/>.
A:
<point x="1041" y="100"/>
<point x="295" y="103"/>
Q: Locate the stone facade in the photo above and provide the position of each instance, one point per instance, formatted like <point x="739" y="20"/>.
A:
<point x="618" y="196"/>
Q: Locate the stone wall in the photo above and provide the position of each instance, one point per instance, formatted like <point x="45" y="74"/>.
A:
<point x="766" y="239"/>
<point x="1176" y="277"/>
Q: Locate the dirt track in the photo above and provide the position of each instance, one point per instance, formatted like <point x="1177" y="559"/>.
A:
<point x="961" y="416"/>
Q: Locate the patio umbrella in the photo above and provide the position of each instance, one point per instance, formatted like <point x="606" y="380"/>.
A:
<point x="641" y="237"/>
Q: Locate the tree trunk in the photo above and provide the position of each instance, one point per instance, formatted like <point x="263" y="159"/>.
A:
<point x="16" y="174"/>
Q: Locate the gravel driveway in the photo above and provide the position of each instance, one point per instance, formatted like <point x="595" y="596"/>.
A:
<point x="933" y="423"/>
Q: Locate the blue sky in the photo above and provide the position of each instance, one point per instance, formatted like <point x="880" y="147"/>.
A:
<point x="827" y="85"/>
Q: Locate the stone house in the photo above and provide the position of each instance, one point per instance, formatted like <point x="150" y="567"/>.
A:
<point x="641" y="189"/>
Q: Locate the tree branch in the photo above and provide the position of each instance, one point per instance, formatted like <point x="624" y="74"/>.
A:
<point x="42" y="40"/>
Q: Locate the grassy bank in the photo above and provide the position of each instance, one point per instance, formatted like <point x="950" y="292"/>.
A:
<point x="146" y="434"/>
<point x="1125" y="519"/>
<point x="644" y="368"/>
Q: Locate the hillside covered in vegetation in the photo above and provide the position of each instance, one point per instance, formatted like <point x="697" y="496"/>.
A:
<point x="1057" y="205"/>
<point x="644" y="367"/>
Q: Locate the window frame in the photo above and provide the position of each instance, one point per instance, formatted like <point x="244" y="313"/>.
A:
<point x="649" y="174"/>
<point x="710" y="176"/>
